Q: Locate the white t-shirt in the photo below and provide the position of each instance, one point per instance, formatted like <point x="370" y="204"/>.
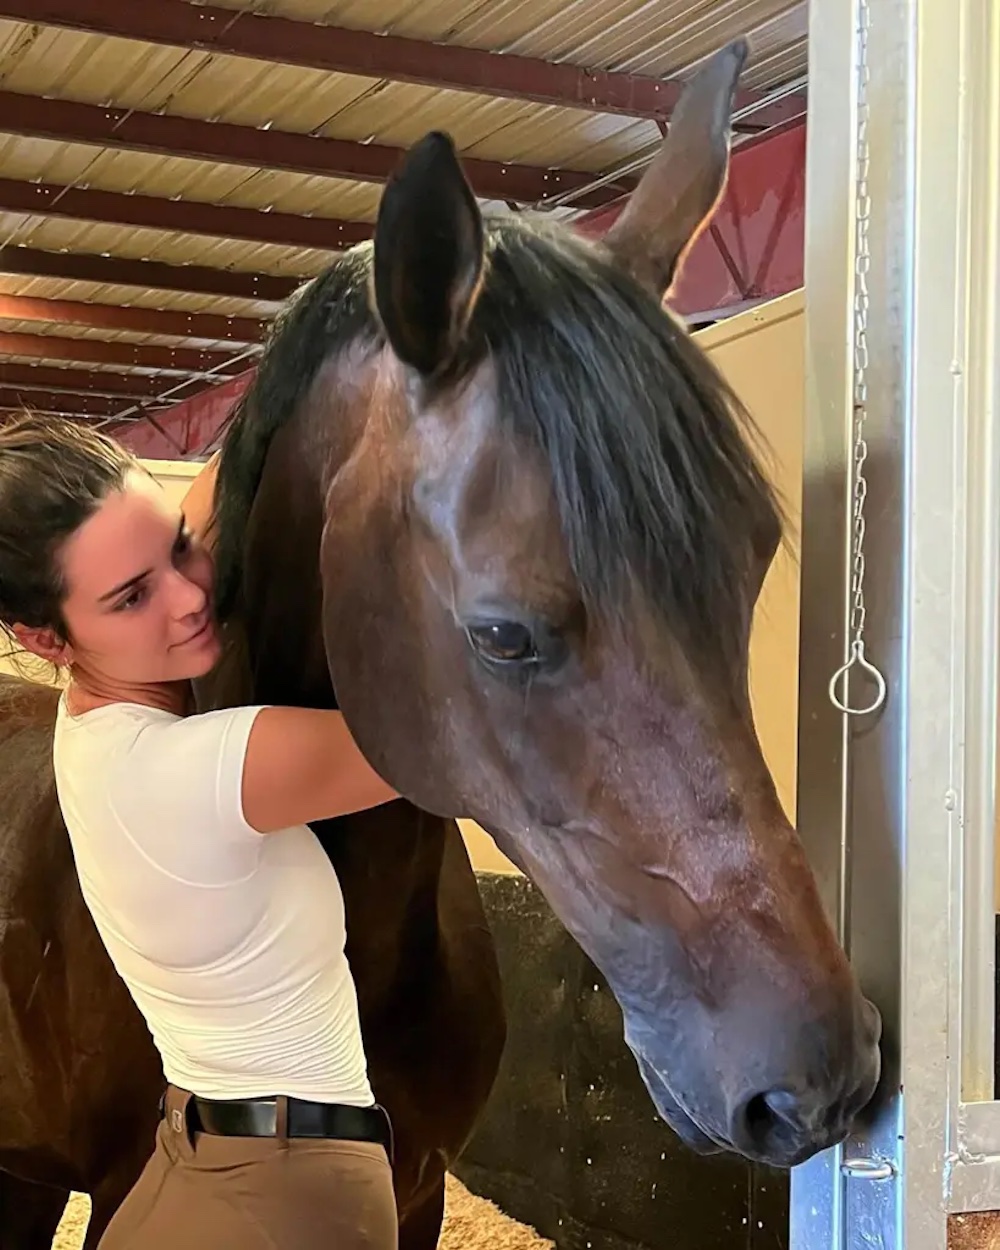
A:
<point x="230" y="942"/>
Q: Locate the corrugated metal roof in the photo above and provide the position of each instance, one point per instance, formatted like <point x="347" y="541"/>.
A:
<point x="174" y="177"/>
<point x="639" y="36"/>
<point x="132" y="297"/>
<point x="67" y="330"/>
<point x="654" y="37"/>
<point x="233" y="89"/>
<point x="57" y="234"/>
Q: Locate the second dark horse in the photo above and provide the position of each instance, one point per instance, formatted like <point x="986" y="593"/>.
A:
<point x="490" y="493"/>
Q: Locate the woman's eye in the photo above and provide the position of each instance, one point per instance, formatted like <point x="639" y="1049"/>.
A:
<point x="183" y="545"/>
<point x="504" y="642"/>
<point x="133" y="599"/>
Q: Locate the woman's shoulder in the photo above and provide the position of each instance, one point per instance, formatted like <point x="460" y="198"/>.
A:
<point x="135" y="754"/>
<point x="108" y="720"/>
<point x="124" y="719"/>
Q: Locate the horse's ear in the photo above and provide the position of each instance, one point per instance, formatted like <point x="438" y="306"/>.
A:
<point x="428" y="256"/>
<point x="679" y="192"/>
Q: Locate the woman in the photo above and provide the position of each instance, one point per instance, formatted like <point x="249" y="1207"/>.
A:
<point x="216" y="903"/>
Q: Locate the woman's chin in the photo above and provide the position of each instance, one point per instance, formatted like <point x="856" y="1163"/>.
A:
<point x="201" y="662"/>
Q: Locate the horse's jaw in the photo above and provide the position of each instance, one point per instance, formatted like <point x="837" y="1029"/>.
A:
<point x="671" y="1111"/>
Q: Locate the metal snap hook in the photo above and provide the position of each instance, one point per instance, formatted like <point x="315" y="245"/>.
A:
<point x="858" y="659"/>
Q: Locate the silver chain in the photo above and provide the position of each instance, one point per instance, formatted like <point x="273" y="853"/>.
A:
<point x="862" y="266"/>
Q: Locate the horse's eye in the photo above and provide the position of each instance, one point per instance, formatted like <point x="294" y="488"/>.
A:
<point x="504" y="642"/>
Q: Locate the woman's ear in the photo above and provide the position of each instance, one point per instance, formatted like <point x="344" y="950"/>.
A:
<point x="43" y="642"/>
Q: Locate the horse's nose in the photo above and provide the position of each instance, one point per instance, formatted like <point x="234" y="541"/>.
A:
<point x="787" y="1126"/>
<point x="790" y="1123"/>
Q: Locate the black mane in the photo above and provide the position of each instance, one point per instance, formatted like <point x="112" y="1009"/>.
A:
<point x="655" y="481"/>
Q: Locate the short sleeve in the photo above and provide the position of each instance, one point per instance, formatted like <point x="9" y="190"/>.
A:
<point x="177" y="789"/>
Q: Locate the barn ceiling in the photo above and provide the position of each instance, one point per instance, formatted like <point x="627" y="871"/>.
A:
<point x="170" y="171"/>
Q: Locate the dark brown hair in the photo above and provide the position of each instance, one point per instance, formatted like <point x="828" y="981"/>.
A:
<point x="54" y="474"/>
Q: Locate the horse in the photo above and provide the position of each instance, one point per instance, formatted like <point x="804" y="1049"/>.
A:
<point x="488" y="497"/>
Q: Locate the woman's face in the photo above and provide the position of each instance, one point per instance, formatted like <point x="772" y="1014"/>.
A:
<point x="138" y="604"/>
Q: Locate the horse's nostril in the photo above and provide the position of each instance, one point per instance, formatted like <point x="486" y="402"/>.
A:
<point x="772" y="1117"/>
<point x="780" y="1123"/>
<point x="784" y="1105"/>
<point x="758" y="1119"/>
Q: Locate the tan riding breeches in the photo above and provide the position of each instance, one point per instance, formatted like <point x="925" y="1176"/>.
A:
<point x="203" y="1192"/>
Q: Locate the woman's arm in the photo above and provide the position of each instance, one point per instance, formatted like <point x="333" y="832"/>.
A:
<point x="302" y="764"/>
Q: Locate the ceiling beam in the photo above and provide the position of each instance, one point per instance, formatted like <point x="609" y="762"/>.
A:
<point x="67" y="121"/>
<point x="66" y="403"/>
<point x="171" y="324"/>
<point x="338" y="50"/>
<point x="148" y="274"/>
<point x="140" y="356"/>
<point x="90" y="381"/>
<point x="183" y="216"/>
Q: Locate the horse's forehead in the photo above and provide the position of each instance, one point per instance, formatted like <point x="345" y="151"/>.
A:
<point x="471" y="468"/>
<point x="484" y="497"/>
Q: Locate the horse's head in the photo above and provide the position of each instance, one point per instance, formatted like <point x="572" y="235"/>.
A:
<point x="544" y="538"/>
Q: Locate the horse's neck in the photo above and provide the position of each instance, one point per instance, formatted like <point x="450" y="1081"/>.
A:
<point x="275" y="654"/>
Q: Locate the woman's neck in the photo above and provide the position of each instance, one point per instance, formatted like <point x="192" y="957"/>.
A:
<point x="87" y="692"/>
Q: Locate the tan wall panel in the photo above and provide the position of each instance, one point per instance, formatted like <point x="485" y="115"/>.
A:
<point x="762" y="355"/>
<point x="175" y="476"/>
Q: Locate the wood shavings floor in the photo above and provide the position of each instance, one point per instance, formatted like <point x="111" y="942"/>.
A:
<point x="470" y="1223"/>
<point x="974" y="1232"/>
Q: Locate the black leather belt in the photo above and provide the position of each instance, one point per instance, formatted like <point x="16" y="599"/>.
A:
<point x="258" y="1117"/>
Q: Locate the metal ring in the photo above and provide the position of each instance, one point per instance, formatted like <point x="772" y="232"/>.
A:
<point x="858" y="658"/>
<point x="869" y="1169"/>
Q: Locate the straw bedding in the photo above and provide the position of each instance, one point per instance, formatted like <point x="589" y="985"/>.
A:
<point x="471" y="1223"/>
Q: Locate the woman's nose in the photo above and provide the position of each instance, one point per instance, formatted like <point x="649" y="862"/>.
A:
<point x="188" y="596"/>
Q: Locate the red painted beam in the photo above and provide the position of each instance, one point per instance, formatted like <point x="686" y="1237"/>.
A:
<point x="338" y="50"/>
<point x="181" y="325"/>
<point x="67" y="121"/>
<point x="184" y="216"/>
<point x="96" y="351"/>
<point x="12" y="398"/>
<point x="188" y="428"/>
<point x="148" y="274"/>
<point x="86" y="381"/>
